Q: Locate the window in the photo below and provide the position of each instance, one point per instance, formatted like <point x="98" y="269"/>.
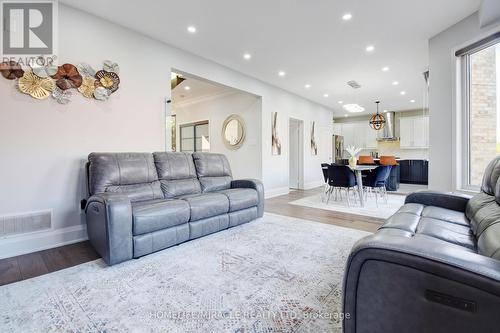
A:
<point x="480" y="100"/>
<point x="194" y="137"/>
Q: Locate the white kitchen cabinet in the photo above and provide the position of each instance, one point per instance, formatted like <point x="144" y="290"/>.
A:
<point x="357" y="133"/>
<point x="414" y="132"/>
<point x="337" y="128"/>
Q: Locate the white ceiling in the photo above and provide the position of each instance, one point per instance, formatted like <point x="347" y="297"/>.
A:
<point x="198" y="90"/>
<point x="306" y="39"/>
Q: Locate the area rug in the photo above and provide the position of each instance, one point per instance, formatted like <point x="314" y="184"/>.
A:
<point x="276" y="274"/>
<point x="382" y="210"/>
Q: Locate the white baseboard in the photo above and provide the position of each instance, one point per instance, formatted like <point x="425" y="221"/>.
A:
<point x="311" y="185"/>
<point x="16" y="245"/>
<point x="275" y="192"/>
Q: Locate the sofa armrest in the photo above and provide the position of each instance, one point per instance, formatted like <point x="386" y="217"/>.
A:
<point x="109" y="226"/>
<point x="441" y="287"/>
<point x="256" y="185"/>
<point x="456" y="202"/>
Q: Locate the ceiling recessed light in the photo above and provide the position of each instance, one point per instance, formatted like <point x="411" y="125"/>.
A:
<point x="325" y="95"/>
<point x="412" y="101"/>
<point x="370" y="48"/>
<point x="341" y="102"/>
<point x="354" y="108"/>
<point x="395" y="83"/>
<point x="191" y="29"/>
<point x="346" y="115"/>
<point x="247" y="56"/>
<point x="385" y="69"/>
<point x="187" y="88"/>
<point x="403" y="92"/>
<point x="347" y="16"/>
<point x="307" y="86"/>
<point x="281" y="73"/>
<point x="385" y="111"/>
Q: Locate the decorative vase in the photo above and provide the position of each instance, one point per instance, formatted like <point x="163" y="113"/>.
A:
<point x="352" y="161"/>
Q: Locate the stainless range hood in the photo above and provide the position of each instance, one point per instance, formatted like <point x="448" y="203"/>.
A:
<point x="388" y="133"/>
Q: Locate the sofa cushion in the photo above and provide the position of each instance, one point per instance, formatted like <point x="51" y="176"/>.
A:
<point x="447" y="225"/>
<point x="149" y="216"/>
<point x="447" y="231"/>
<point x="448" y="215"/>
<point x="206" y="205"/>
<point x="241" y="198"/>
<point x="133" y="174"/>
<point x="177" y="174"/>
<point x="213" y="171"/>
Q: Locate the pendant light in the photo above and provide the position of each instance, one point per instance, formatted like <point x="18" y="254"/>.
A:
<point x="377" y="121"/>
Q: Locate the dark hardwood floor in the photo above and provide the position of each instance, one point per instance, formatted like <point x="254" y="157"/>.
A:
<point x="39" y="263"/>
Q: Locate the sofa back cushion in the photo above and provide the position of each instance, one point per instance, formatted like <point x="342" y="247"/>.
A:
<point x="133" y="174"/>
<point x="213" y="171"/>
<point x="177" y="174"/>
<point x="483" y="211"/>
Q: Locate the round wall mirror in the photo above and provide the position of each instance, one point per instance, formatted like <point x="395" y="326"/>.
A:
<point x="233" y="132"/>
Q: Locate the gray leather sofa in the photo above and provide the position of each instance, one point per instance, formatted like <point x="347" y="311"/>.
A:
<point x="141" y="203"/>
<point x="434" y="266"/>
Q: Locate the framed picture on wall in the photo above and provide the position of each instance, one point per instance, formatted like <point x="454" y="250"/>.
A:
<point x="314" y="146"/>
<point x="275" y="141"/>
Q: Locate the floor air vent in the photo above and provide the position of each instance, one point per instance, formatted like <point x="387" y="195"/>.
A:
<point x="24" y="223"/>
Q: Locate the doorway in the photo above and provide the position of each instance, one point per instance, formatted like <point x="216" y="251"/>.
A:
<point x="296" y="154"/>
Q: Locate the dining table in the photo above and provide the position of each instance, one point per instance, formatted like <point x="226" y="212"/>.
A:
<point x="359" y="179"/>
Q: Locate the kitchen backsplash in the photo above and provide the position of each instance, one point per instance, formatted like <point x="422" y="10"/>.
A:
<point x="393" y="148"/>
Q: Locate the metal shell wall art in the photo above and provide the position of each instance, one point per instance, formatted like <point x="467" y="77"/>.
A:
<point x="85" y="70"/>
<point x="35" y="86"/>
<point x="108" y="80"/>
<point x="41" y="81"/>
<point x="110" y="66"/>
<point x="67" y="77"/>
<point x="40" y="69"/>
<point x="101" y="93"/>
<point x="61" y="96"/>
<point x="11" y="70"/>
<point x="88" y="87"/>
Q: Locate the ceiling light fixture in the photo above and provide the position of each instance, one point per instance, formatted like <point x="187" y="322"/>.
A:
<point x="247" y="56"/>
<point x="403" y="93"/>
<point x="353" y="108"/>
<point x="191" y="29"/>
<point x="307" y="86"/>
<point x="281" y="73"/>
<point x="347" y="16"/>
<point x="325" y="95"/>
<point x="341" y="102"/>
<point x="385" y="111"/>
<point x="377" y="121"/>
<point x="412" y="101"/>
<point x="187" y="88"/>
<point x="370" y="48"/>
<point x="395" y="83"/>
<point x="385" y="69"/>
<point x="346" y="115"/>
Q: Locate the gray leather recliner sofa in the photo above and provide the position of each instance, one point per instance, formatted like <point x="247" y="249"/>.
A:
<point x="434" y="266"/>
<point x="141" y="203"/>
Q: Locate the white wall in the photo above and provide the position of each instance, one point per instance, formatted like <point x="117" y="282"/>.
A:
<point x="442" y="107"/>
<point x="245" y="162"/>
<point x="44" y="145"/>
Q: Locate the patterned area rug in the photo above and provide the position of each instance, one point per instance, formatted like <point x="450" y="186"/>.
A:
<point x="276" y="274"/>
<point x="379" y="209"/>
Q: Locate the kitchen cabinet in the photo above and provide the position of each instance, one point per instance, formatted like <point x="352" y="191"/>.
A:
<point x="357" y="134"/>
<point x="337" y="129"/>
<point x="414" y="171"/>
<point x="414" y="132"/>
